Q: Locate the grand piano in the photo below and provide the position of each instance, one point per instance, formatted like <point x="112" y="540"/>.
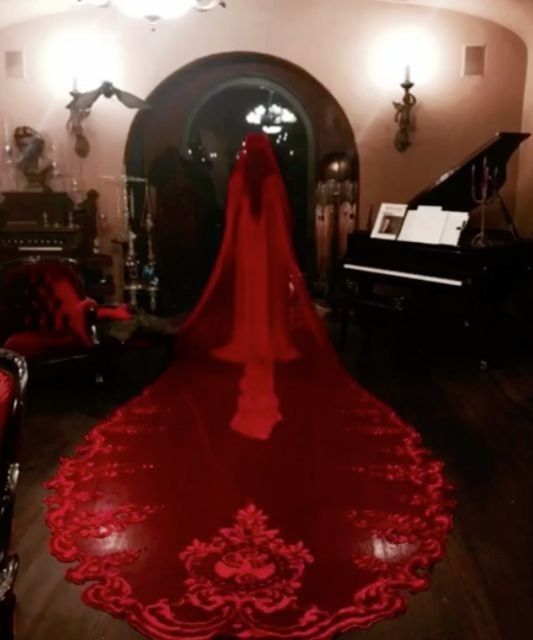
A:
<point x="473" y="281"/>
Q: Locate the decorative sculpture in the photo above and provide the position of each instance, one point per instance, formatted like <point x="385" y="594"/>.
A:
<point x="84" y="101"/>
<point x="80" y="107"/>
<point x="75" y="127"/>
<point x="32" y="163"/>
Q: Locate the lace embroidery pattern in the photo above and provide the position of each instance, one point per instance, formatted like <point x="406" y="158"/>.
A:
<point x="247" y="579"/>
<point x="245" y="568"/>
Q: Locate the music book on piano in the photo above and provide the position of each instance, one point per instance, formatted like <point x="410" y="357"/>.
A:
<point x="389" y="221"/>
<point x="433" y="225"/>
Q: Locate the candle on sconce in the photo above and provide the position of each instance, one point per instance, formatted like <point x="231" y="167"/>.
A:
<point x="74" y="84"/>
<point x="132" y="205"/>
<point x="6" y="143"/>
<point x="408" y="73"/>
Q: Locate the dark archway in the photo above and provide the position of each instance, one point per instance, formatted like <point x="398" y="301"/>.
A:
<point x="217" y="126"/>
<point x="190" y="216"/>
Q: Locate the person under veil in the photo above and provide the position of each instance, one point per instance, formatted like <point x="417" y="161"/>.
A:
<point x="256" y="297"/>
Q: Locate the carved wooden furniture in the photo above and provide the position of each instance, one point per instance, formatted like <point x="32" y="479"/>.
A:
<point x="44" y="311"/>
<point x="13" y="377"/>
<point x="50" y="224"/>
<point x="335" y="216"/>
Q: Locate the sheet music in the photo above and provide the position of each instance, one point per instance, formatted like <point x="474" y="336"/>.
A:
<point x="455" y="223"/>
<point x="424" y="224"/>
<point x="433" y="225"/>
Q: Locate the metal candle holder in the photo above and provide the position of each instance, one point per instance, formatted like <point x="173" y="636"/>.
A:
<point x="138" y="277"/>
<point x="131" y="263"/>
<point x="484" y="191"/>
<point x="402" y="139"/>
<point x="149" y="270"/>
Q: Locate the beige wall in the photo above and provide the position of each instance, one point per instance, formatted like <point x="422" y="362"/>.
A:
<point x="330" y="40"/>
<point x="524" y="210"/>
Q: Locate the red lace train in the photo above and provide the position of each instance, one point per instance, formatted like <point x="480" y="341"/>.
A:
<point x="254" y="490"/>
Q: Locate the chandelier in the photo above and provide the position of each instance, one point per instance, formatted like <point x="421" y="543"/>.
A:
<point x="271" y="118"/>
<point x="154" y="10"/>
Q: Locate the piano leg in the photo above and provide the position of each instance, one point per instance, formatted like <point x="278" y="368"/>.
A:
<point x="354" y="290"/>
<point x="508" y="218"/>
<point x="478" y="315"/>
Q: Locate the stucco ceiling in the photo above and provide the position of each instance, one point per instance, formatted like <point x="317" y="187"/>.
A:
<point x="12" y="11"/>
<point x="514" y="14"/>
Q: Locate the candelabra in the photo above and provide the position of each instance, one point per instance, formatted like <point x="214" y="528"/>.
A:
<point x="402" y="139"/>
<point x="131" y="263"/>
<point x="149" y="270"/>
<point x="9" y="181"/>
<point x="138" y="277"/>
<point x="484" y="191"/>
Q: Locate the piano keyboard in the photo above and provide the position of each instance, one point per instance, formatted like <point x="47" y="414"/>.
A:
<point x="404" y="274"/>
<point x="44" y="240"/>
<point x="34" y="248"/>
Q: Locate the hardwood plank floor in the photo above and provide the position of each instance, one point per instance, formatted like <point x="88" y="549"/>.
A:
<point x="479" y="423"/>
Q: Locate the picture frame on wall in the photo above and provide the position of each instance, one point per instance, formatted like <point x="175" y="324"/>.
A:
<point x="389" y="221"/>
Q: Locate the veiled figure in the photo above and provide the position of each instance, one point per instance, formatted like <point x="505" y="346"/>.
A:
<point x="250" y="308"/>
<point x="256" y="301"/>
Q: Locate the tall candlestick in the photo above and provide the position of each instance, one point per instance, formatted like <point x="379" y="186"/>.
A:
<point x="132" y="205"/>
<point x="7" y="150"/>
<point x="125" y="204"/>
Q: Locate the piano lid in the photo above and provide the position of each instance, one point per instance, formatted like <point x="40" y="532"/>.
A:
<point x="453" y="190"/>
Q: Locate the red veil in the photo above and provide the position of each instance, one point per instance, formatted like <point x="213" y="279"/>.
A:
<point x="299" y="531"/>
<point x="255" y="309"/>
<point x="256" y="298"/>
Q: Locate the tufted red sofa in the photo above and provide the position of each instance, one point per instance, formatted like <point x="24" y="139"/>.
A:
<point x="44" y="312"/>
<point x="13" y="378"/>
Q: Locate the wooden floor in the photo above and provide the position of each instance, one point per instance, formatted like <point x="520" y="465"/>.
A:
<point x="479" y="423"/>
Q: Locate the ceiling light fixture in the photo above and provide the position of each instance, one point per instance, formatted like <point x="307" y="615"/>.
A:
<point x="271" y="118"/>
<point x="155" y="10"/>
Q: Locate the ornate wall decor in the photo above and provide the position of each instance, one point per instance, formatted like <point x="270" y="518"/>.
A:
<point x="80" y="108"/>
<point x="402" y="140"/>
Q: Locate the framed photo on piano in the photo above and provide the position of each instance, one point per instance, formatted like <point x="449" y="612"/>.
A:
<point x="389" y="221"/>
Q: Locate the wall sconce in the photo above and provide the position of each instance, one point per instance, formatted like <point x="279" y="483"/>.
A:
<point x="402" y="139"/>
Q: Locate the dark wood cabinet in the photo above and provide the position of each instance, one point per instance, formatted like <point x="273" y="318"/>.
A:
<point x="50" y="223"/>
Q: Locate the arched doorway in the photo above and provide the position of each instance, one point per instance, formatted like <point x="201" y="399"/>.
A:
<point x="185" y="144"/>
<point x="218" y="124"/>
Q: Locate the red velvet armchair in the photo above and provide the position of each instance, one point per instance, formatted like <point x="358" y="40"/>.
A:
<point x="44" y="312"/>
<point x="13" y="378"/>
